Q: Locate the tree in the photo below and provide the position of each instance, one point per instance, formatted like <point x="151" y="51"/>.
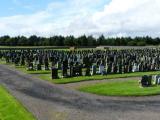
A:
<point x="33" y="40"/>
<point x="4" y="39"/>
<point x="80" y="41"/>
<point x="101" y="40"/>
<point x="141" y="43"/>
<point x="91" y="41"/>
<point x="22" y="41"/>
<point x="69" y="41"/>
<point x="59" y="40"/>
<point x="83" y="41"/>
<point x="132" y="43"/>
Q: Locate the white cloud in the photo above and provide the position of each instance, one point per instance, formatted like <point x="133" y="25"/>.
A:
<point x="77" y="17"/>
<point x="130" y="17"/>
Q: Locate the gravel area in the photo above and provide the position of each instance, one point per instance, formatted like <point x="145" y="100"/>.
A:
<point x="52" y="102"/>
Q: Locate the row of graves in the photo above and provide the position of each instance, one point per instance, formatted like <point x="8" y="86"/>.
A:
<point x="85" y="62"/>
<point x="148" y="81"/>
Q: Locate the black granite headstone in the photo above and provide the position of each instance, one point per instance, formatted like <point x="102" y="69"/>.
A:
<point x="54" y="73"/>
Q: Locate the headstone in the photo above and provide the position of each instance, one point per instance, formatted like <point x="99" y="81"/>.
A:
<point x="87" y="71"/>
<point x="54" y="73"/>
<point x="156" y="79"/>
<point x="87" y="65"/>
<point x="71" y="69"/>
<point x="130" y="67"/>
<point x="22" y="61"/>
<point x="109" y="69"/>
<point x="30" y="67"/>
<point x="94" y="70"/>
<point x="65" y="68"/>
<point x="115" y="69"/>
<point x="38" y="67"/>
<point x="59" y="65"/>
<point x="146" y="81"/>
<point x="46" y="63"/>
<point x="102" y="70"/>
<point x="78" y="69"/>
<point x="134" y="68"/>
<point x="16" y="61"/>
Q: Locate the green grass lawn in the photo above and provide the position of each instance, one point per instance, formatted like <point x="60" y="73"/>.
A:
<point x="120" y="88"/>
<point x="11" y="109"/>
<point x="2" y="62"/>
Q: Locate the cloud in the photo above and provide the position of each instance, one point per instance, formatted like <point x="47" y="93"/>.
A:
<point x="24" y="24"/>
<point x="55" y="19"/>
<point x="78" y="17"/>
<point x="129" y="17"/>
<point x="126" y="18"/>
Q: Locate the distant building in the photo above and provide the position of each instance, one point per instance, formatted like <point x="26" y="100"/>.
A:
<point x="102" y="47"/>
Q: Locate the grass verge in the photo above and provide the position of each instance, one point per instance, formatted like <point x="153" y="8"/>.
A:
<point x="11" y="109"/>
<point x="120" y="88"/>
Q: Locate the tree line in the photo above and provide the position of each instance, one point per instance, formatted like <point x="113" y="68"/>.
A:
<point x="79" y="41"/>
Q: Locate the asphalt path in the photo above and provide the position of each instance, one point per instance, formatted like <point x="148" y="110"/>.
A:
<point x="52" y="102"/>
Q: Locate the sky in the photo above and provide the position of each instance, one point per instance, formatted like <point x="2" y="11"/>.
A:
<point x="113" y="18"/>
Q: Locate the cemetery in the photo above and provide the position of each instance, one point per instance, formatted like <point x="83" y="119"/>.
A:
<point x="78" y="65"/>
<point x="80" y="60"/>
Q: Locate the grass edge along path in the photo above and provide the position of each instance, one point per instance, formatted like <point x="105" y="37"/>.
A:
<point x="11" y="109"/>
<point x="120" y="88"/>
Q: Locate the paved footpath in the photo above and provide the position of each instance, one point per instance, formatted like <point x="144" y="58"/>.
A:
<point x="51" y="102"/>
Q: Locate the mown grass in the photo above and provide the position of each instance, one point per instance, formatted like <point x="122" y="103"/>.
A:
<point x="2" y="61"/>
<point x="11" y="109"/>
<point x="120" y="88"/>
